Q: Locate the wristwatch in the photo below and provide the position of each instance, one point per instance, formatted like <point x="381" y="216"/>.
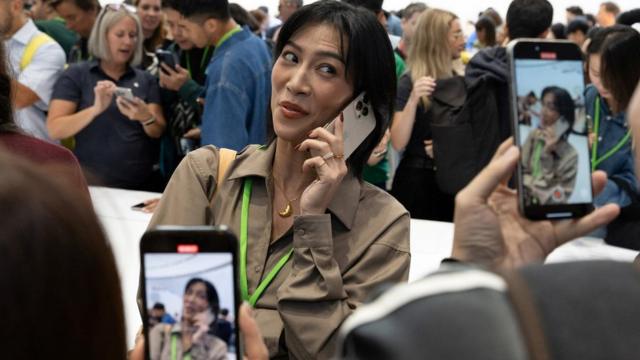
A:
<point x="150" y="121"/>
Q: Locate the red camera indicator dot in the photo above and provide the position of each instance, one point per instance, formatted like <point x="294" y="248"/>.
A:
<point x="187" y="248"/>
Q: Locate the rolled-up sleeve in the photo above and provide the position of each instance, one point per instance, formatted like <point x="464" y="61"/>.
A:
<point x="317" y="295"/>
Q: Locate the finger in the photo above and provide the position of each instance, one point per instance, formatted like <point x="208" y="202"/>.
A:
<point x="571" y="229"/>
<point x="316" y="163"/>
<point x="499" y="169"/>
<point x="598" y="181"/>
<point x="138" y="351"/>
<point x="503" y="148"/>
<point x="316" y="147"/>
<point x="254" y="346"/>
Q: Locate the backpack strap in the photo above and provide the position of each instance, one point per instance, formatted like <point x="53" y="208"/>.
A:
<point x="527" y="314"/>
<point x="32" y="47"/>
<point x="224" y="160"/>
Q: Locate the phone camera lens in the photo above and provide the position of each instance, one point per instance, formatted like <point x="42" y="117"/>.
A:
<point x="365" y="111"/>
<point x="537" y="48"/>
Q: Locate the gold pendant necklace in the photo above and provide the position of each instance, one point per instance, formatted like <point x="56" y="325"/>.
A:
<point x="288" y="210"/>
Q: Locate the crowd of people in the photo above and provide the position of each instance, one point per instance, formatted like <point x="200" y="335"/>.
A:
<point x="132" y="95"/>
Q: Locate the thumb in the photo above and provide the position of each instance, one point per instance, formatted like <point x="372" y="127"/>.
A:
<point x="253" y="344"/>
<point x="499" y="169"/>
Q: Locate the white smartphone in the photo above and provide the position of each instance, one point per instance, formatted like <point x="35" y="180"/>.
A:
<point x="125" y="93"/>
<point x="359" y="122"/>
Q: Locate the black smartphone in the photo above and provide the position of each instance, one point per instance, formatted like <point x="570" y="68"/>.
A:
<point x="167" y="57"/>
<point x="189" y="277"/>
<point x="550" y="127"/>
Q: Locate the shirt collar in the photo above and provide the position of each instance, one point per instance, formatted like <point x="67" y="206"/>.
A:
<point x="94" y="65"/>
<point x="25" y="33"/>
<point x="260" y="162"/>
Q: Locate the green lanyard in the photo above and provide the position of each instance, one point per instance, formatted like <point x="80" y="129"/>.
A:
<point x="244" y="231"/>
<point x="595" y="161"/>
<point x="204" y="58"/>
<point x="174" y="349"/>
<point x="537" y="153"/>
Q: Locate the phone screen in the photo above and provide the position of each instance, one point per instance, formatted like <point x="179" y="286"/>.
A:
<point x="552" y="132"/>
<point x="190" y="293"/>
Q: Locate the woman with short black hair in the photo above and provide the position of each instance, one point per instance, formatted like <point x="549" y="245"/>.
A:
<point x="315" y="236"/>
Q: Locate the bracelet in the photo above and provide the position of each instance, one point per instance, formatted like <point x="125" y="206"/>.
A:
<point x="150" y="121"/>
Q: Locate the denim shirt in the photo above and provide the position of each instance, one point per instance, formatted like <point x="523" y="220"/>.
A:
<point x="237" y="93"/>
<point x="620" y="165"/>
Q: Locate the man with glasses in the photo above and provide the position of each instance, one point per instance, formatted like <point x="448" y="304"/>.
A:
<point x="36" y="61"/>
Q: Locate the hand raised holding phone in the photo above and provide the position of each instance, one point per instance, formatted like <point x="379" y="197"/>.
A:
<point x="327" y="151"/>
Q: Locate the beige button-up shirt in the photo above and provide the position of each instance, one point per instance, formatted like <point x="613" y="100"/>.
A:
<point x="339" y="258"/>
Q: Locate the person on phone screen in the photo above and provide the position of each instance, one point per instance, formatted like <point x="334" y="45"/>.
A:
<point x="317" y="237"/>
<point x="549" y="161"/>
<point x="114" y="137"/>
<point x="193" y="335"/>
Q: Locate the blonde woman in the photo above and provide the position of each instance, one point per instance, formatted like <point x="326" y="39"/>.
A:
<point x="437" y="42"/>
<point x="114" y="129"/>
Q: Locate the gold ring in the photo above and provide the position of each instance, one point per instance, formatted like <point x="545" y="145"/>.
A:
<point x="328" y="156"/>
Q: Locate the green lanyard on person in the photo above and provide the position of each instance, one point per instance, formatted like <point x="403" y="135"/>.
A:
<point x="537" y="153"/>
<point x="202" y="61"/>
<point x="174" y="349"/>
<point x="244" y="235"/>
<point x="226" y="37"/>
<point x="595" y="160"/>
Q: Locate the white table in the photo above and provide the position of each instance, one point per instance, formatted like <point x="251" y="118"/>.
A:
<point x="431" y="241"/>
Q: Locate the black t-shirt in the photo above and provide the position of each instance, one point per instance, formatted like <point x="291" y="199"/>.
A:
<point x="112" y="147"/>
<point x="421" y="127"/>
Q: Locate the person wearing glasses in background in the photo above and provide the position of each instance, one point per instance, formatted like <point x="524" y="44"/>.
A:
<point x="36" y="61"/>
<point x="79" y="16"/>
<point x="114" y="138"/>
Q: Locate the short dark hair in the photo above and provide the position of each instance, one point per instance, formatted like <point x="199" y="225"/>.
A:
<point x="599" y="34"/>
<point x="563" y="104"/>
<point x="493" y="14"/>
<point x="629" y="17"/>
<point x="84" y="5"/>
<point x="371" y="5"/>
<point x="619" y="68"/>
<point x="575" y="10"/>
<point x="486" y="23"/>
<point x="578" y="25"/>
<point x="559" y="31"/>
<point x="224" y="312"/>
<point x="243" y="17"/>
<point x="6" y="103"/>
<point x="171" y="4"/>
<point x="591" y="19"/>
<point x="158" y="306"/>
<point x="212" y="294"/>
<point x="611" y="7"/>
<point x="368" y="59"/>
<point x="201" y="10"/>
<point x="528" y="18"/>
<point x="57" y="270"/>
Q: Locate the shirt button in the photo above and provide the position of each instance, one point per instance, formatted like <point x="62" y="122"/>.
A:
<point x="301" y="232"/>
<point x="258" y="268"/>
<point x="599" y="138"/>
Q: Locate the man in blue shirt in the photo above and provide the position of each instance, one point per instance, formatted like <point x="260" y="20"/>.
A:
<point x="238" y="83"/>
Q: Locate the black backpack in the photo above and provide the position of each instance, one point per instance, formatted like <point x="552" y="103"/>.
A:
<point x="565" y="311"/>
<point x="465" y="130"/>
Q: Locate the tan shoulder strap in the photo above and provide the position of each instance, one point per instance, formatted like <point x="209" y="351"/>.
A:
<point x="224" y="160"/>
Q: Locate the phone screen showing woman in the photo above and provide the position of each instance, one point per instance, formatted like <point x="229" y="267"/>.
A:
<point x="191" y="304"/>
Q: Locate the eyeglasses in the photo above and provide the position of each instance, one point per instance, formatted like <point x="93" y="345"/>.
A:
<point x="118" y="6"/>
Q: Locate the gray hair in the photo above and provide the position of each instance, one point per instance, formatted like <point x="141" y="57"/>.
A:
<point x="98" y="45"/>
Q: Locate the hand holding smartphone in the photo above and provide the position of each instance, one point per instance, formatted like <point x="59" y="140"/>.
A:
<point x="550" y="126"/>
<point x="125" y="93"/>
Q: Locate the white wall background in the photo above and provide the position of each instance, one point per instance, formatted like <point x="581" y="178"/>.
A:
<point x="465" y="9"/>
